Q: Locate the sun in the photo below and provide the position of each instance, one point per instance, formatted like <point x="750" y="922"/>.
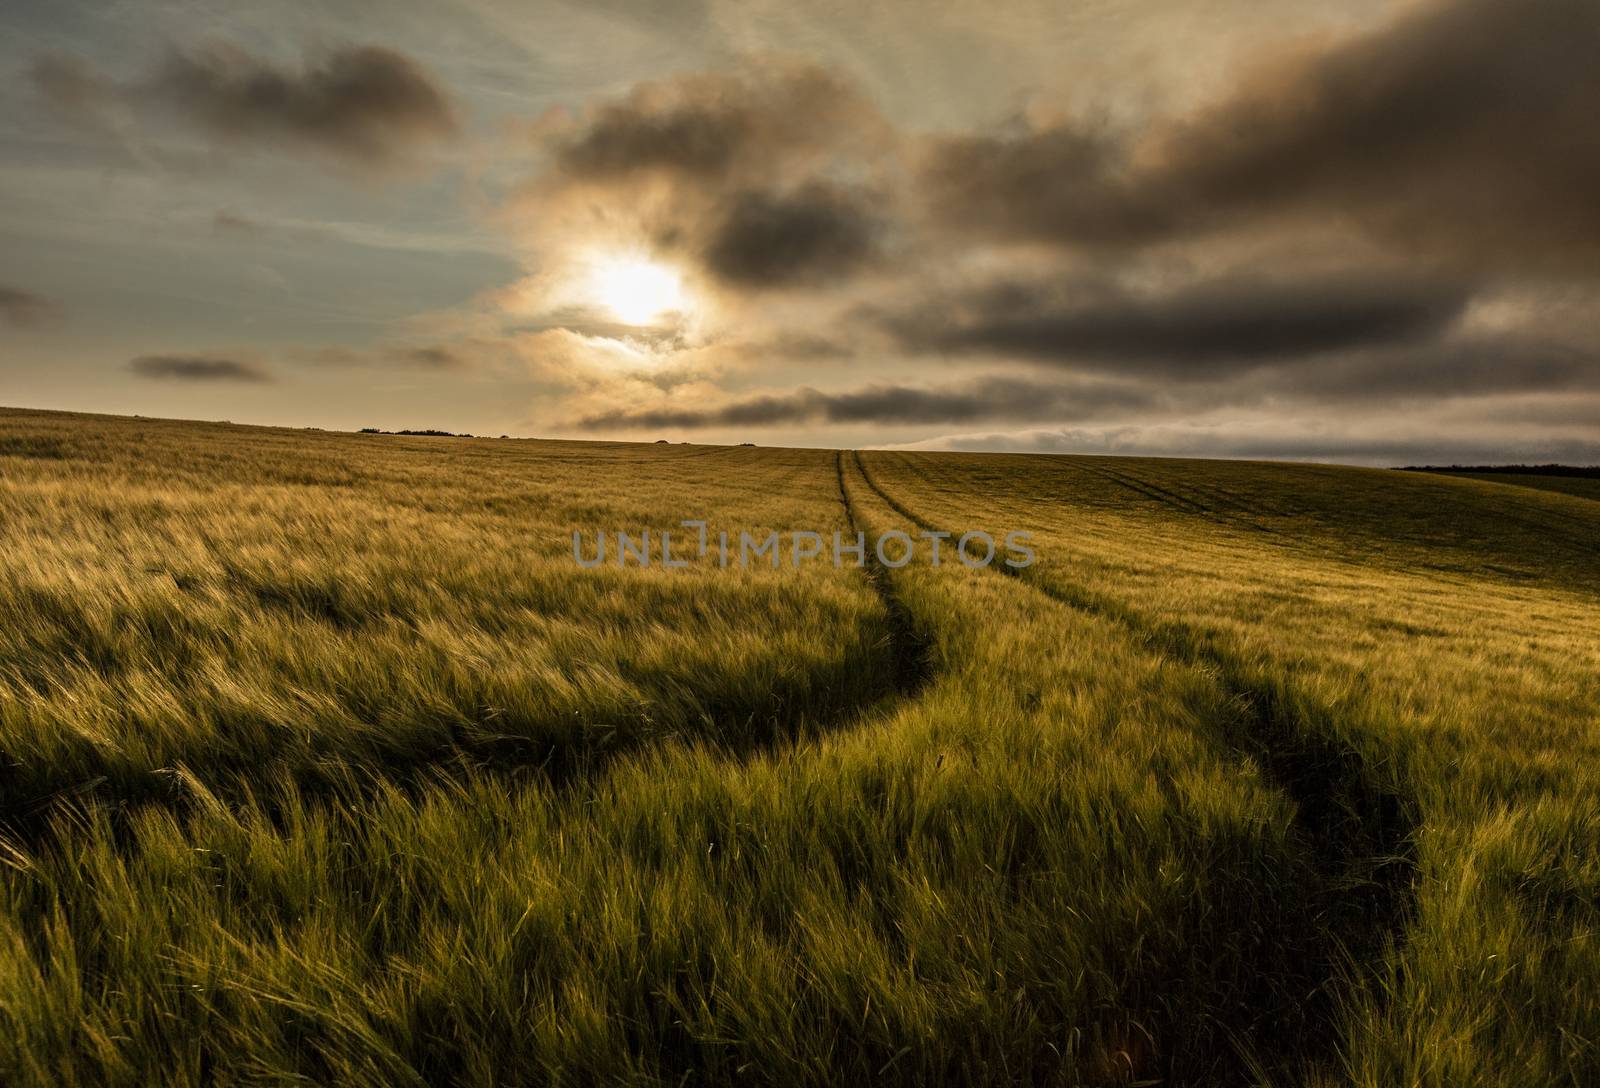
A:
<point x="636" y="290"/>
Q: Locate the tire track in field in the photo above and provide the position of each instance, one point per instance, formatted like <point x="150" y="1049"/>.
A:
<point x="911" y="651"/>
<point x="1183" y="503"/>
<point x="1162" y="496"/>
<point x="1242" y="514"/>
<point x="1533" y="526"/>
<point x="1359" y="833"/>
<point x="1574" y="547"/>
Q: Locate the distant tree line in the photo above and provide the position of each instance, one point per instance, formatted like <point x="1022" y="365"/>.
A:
<point x="428" y="433"/>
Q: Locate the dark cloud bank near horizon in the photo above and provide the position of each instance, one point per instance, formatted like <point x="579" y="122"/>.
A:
<point x="1196" y="332"/>
<point x="885" y="403"/>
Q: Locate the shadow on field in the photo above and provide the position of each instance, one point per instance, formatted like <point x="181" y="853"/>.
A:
<point x="1358" y="830"/>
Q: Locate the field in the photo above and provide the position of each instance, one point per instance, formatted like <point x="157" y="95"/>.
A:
<point x="322" y="761"/>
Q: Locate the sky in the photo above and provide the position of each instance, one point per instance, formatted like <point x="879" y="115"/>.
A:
<point x="1364" y="232"/>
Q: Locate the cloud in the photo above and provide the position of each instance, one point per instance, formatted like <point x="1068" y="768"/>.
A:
<point x="1474" y="373"/>
<point x="459" y="356"/>
<point x="363" y="105"/>
<point x="1474" y="366"/>
<point x="761" y="120"/>
<point x="433" y="357"/>
<point x="226" y="222"/>
<point x="769" y="176"/>
<point x="817" y="233"/>
<point x="802" y="347"/>
<point x="984" y="398"/>
<point x="197" y="368"/>
<point x="1213" y="328"/>
<point x="1540" y="408"/>
<point x="589" y="321"/>
<point x="1463" y="131"/>
<point x="1373" y="219"/>
<point x="69" y="84"/>
<point x="26" y="310"/>
<point x="693" y="135"/>
<point x="1068" y="183"/>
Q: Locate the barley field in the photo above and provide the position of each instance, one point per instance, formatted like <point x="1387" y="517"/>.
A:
<point x="322" y="761"/>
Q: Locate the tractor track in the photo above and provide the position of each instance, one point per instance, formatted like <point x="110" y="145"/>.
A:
<point x="1177" y="501"/>
<point x="910" y="650"/>
<point x="1360" y="834"/>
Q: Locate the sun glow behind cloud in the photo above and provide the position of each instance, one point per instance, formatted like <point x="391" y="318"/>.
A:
<point x="637" y="291"/>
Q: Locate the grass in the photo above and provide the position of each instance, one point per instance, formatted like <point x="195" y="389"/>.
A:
<point x="322" y="762"/>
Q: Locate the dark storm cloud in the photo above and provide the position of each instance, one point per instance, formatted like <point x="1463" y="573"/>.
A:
<point x="364" y="104"/>
<point x="1474" y="366"/>
<point x="1465" y="130"/>
<point x="986" y="398"/>
<point x="819" y="232"/>
<point x="197" y="368"/>
<point x="1215" y="328"/>
<point x="27" y="310"/>
<point x="708" y="127"/>
<point x="1066" y="184"/>
<point x="696" y="138"/>
<point x="1468" y="128"/>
